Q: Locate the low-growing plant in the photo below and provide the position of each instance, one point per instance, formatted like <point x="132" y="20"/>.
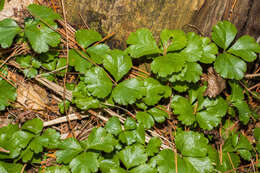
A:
<point x="105" y="79"/>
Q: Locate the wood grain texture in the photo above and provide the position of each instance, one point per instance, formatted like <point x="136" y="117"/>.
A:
<point x="125" y="16"/>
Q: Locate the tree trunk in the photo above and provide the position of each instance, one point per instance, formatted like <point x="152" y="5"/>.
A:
<point x="125" y="16"/>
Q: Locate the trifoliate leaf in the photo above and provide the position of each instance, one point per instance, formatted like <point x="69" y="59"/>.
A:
<point x="97" y="52"/>
<point x="201" y="165"/>
<point x="130" y="124"/>
<point x="153" y="146"/>
<point x="108" y="165"/>
<point x="244" y="143"/>
<point x="86" y="103"/>
<point x="8" y="30"/>
<point x="133" y="155"/>
<point x="143" y="169"/>
<point x="191" y="144"/>
<point x="69" y="148"/>
<point x="166" y="65"/>
<point x="192" y="73"/>
<point x="211" y="115"/>
<point x="43" y="13"/>
<point x="141" y="43"/>
<point x="128" y="91"/>
<point x="236" y="91"/>
<point x="158" y="115"/>
<point x="41" y="36"/>
<point x="245" y="47"/>
<point x="98" y="83"/>
<point x="56" y="169"/>
<point x="76" y="60"/>
<point x="244" y="111"/>
<point x="100" y="140"/>
<point x="193" y="51"/>
<point x="182" y="107"/>
<point x="223" y="34"/>
<point x="209" y="51"/>
<point x="86" y="162"/>
<point x="113" y="126"/>
<point x="118" y="63"/>
<point x="146" y="119"/>
<point x="10" y="167"/>
<point x="173" y="40"/>
<point x="26" y="155"/>
<point x="50" y="65"/>
<point x="229" y="161"/>
<point x="49" y="56"/>
<point x="87" y="37"/>
<point x="155" y="91"/>
<point x="8" y="94"/>
<point x="35" y="126"/>
<point x="229" y="66"/>
<point x="180" y="86"/>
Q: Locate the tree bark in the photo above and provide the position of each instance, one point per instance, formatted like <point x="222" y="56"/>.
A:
<point x="125" y="16"/>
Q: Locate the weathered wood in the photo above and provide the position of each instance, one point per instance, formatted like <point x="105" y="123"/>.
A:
<point x="125" y="16"/>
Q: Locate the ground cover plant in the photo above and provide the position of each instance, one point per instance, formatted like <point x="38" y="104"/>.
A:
<point x="193" y="84"/>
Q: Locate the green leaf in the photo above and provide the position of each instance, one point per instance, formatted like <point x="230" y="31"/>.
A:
<point x="165" y="161"/>
<point x="97" y="52"/>
<point x="50" y="65"/>
<point x="226" y="163"/>
<point x="155" y="91"/>
<point x="257" y="134"/>
<point x="209" y="51"/>
<point x="56" y="169"/>
<point x="143" y="169"/>
<point x="193" y="51"/>
<point x="166" y="65"/>
<point x="35" y="126"/>
<point x="223" y="34"/>
<point x="244" y="143"/>
<point x="30" y="72"/>
<point x="26" y="155"/>
<point x="128" y="91"/>
<point x="43" y="13"/>
<point x="245" y="154"/>
<point x="133" y="156"/>
<point x="41" y="36"/>
<point x="24" y="61"/>
<point x="85" y="163"/>
<point x="158" y="115"/>
<point x="192" y="72"/>
<point x="130" y="124"/>
<point x="153" y="146"/>
<point x="8" y="94"/>
<point x="118" y="63"/>
<point x="10" y="167"/>
<point x="180" y="86"/>
<point x="201" y="165"/>
<point x="63" y="108"/>
<point x="229" y="66"/>
<point x="146" y="119"/>
<point x="87" y="37"/>
<point x="141" y="43"/>
<point x="213" y="111"/>
<point x="140" y="133"/>
<point x="82" y="98"/>
<point x="191" y="144"/>
<point x="76" y="60"/>
<point x="2" y="3"/>
<point x="8" y="30"/>
<point x="100" y="140"/>
<point x="173" y="40"/>
<point x="245" y="47"/>
<point x="98" y="82"/>
<point x="182" y="107"/>
<point x="113" y="126"/>
<point x="110" y="165"/>
<point x="236" y="91"/>
<point x="69" y="149"/>
<point x="243" y="111"/>
<point x="128" y="137"/>
<point x="62" y="62"/>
